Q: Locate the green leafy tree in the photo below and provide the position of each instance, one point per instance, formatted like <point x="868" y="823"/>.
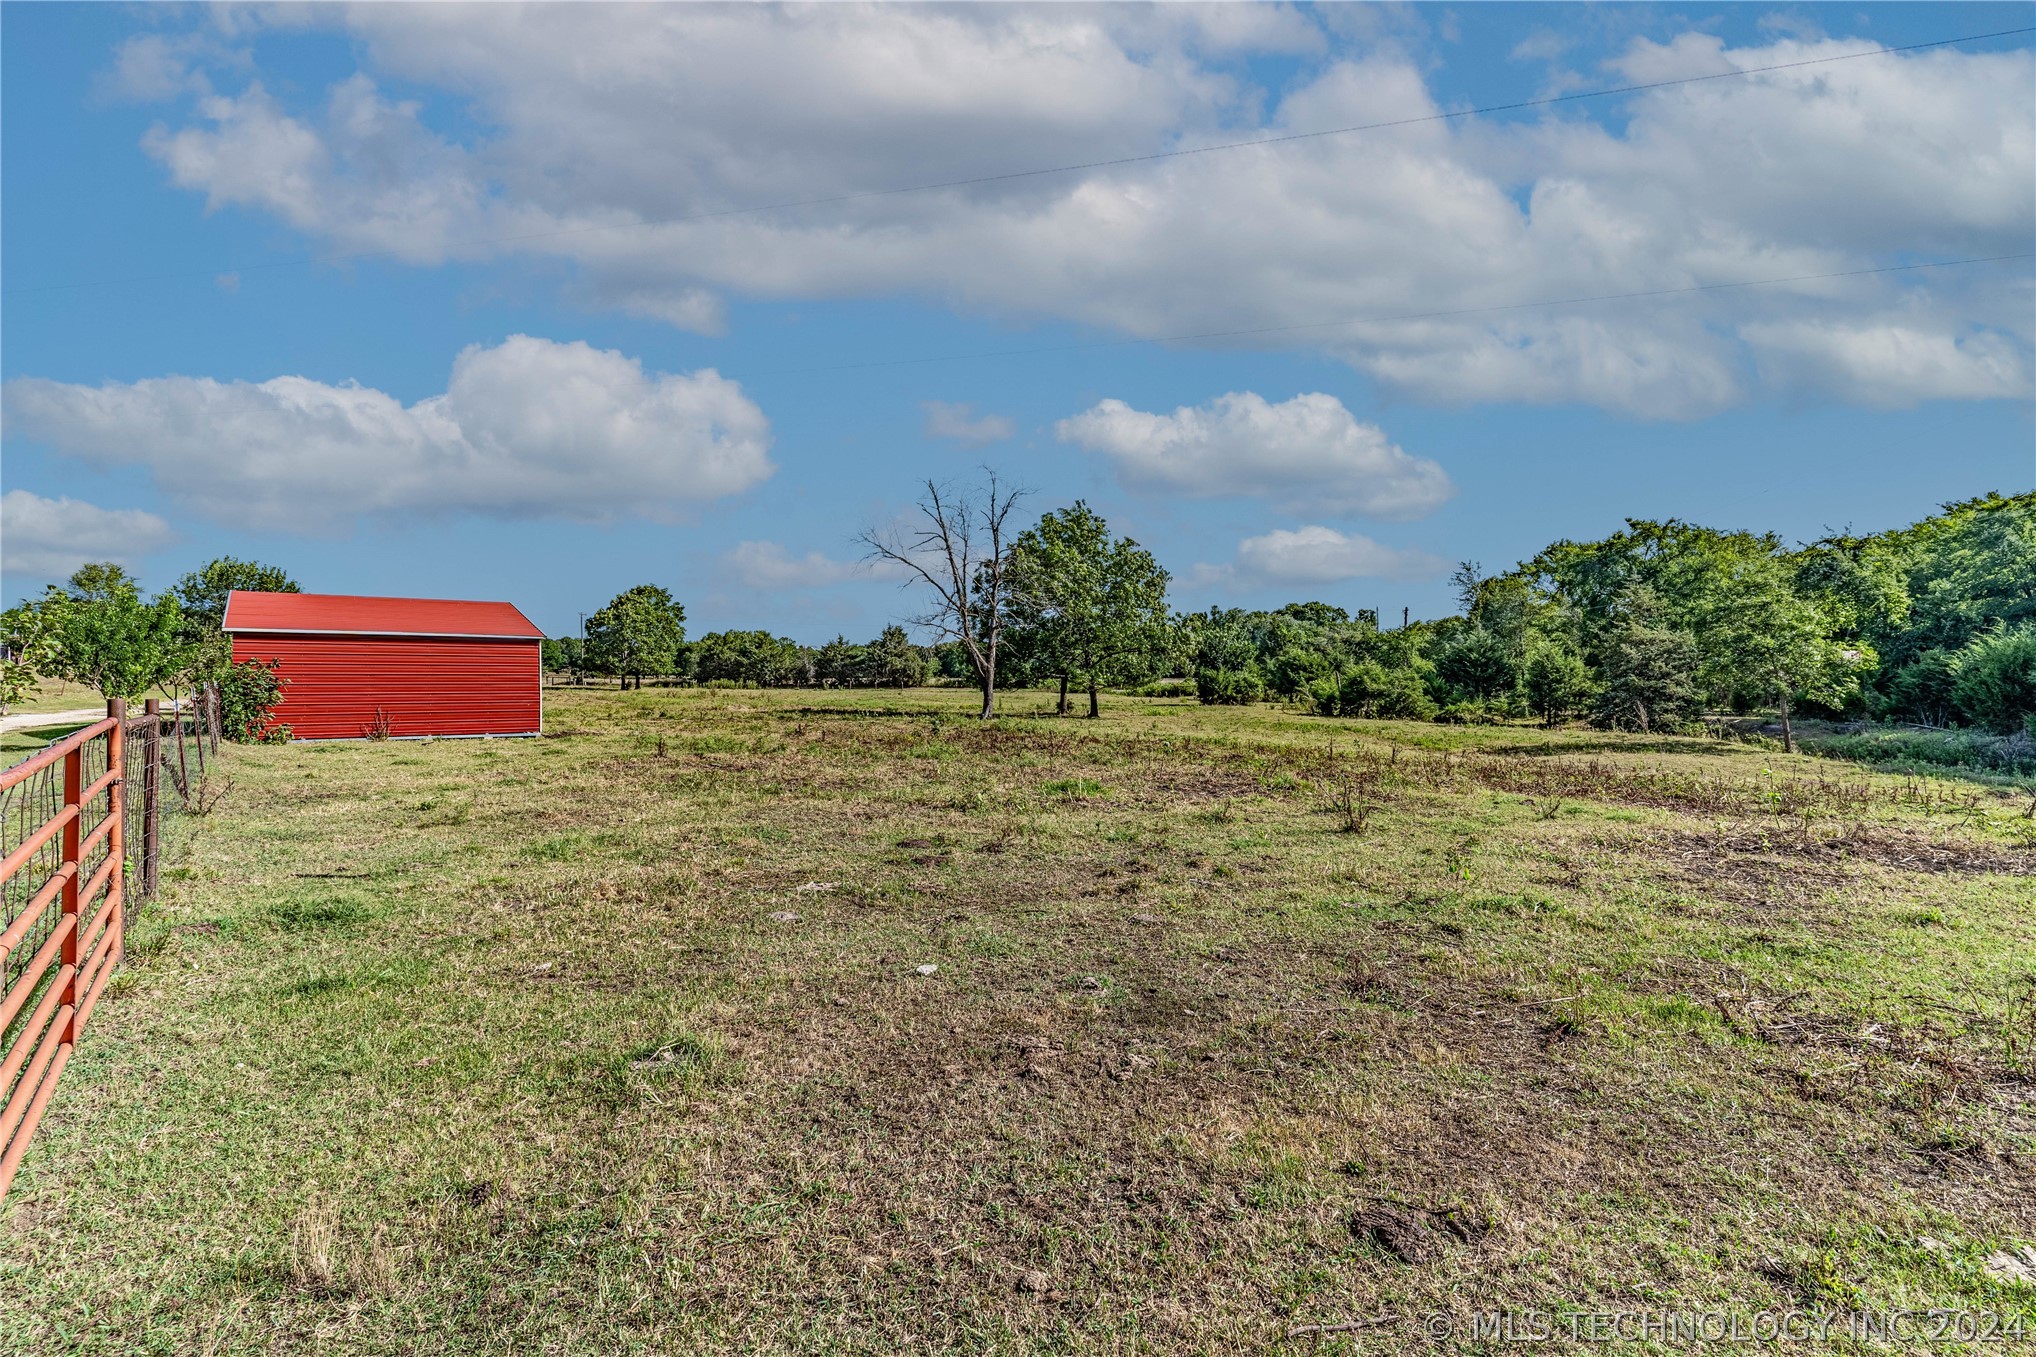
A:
<point x="100" y="632"/>
<point x="1764" y="635"/>
<point x="1923" y="689"/>
<point x="1372" y="690"/>
<point x="755" y="658"/>
<point x="951" y="661"/>
<point x="1225" y="657"/>
<point x="1095" y="607"/>
<point x="563" y="655"/>
<point x="1229" y="687"/>
<point x="15" y="680"/>
<point x="1969" y="569"/>
<point x="1297" y="668"/>
<point x="1319" y="614"/>
<point x="100" y="580"/>
<point x="841" y="663"/>
<point x="26" y="637"/>
<point x="641" y="631"/>
<point x="202" y="593"/>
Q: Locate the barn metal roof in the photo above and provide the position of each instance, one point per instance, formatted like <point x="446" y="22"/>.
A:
<point x="355" y="615"/>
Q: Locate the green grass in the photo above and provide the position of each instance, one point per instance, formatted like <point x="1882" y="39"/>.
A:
<point x="617" y="1041"/>
<point x="16" y="745"/>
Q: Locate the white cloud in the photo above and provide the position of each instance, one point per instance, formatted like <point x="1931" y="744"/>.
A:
<point x="631" y="116"/>
<point x="1317" y="555"/>
<point x="959" y="423"/>
<point x="46" y="539"/>
<point x="767" y="565"/>
<point x="1543" y="44"/>
<point x="150" y="67"/>
<point x="529" y="428"/>
<point x="682" y="308"/>
<point x="1890" y="364"/>
<point x="1306" y="452"/>
<point x="370" y="174"/>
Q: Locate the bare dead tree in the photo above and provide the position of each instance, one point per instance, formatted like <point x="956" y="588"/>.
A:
<point x="958" y="551"/>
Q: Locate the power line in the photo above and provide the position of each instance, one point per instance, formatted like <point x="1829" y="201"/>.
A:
<point x="1009" y="175"/>
<point x="1387" y="320"/>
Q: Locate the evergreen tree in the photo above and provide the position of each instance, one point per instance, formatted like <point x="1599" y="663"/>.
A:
<point x="1649" y="678"/>
<point x="1557" y="683"/>
<point x="892" y="661"/>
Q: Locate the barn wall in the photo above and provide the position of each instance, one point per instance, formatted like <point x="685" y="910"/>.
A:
<point x="428" y="686"/>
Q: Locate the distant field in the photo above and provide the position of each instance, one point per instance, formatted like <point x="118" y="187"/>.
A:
<point x="1242" y="1020"/>
<point x="57" y="697"/>
<point x="68" y="697"/>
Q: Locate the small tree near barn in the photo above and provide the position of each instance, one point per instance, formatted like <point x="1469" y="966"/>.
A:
<point x="99" y="631"/>
<point x="641" y="631"/>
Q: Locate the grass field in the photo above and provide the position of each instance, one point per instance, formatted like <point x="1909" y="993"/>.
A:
<point x="629" y="1039"/>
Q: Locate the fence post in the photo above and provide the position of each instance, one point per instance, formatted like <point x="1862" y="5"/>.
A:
<point x="151" y="794"/>
<point x="183" y="779"/>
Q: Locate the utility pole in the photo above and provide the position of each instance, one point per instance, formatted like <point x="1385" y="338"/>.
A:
<point x="1405" y="613"/>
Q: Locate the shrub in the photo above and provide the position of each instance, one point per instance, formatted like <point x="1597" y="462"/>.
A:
<point x="1296" y="670"/>
<point x="1228" y="687"/>
<point x="1994" y="679"/>
<point x="2012" y="754"/>
<point x="1369" y="689"/>
<point x="1173" y="687"/>
<point x="248" y="694"/>
<point x="1922" y="688"/>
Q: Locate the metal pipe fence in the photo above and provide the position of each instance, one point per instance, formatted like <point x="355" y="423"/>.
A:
<point x="81" y="847"/>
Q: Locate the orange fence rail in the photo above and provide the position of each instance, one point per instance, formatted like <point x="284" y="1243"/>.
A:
<point x="63" y="900"/>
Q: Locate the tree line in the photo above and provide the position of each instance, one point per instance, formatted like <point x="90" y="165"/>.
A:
<point x="1059" y="602"/>
<point x="641" y="634"/>
<point x="1645" y="630"/>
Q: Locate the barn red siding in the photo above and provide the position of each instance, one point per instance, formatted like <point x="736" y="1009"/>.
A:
<point x="426" y="685"/>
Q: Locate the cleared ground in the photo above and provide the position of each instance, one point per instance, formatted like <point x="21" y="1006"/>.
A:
<point x="619" y="1040"/>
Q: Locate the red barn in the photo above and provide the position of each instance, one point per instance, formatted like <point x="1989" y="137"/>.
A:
<point x="411" y="666"/>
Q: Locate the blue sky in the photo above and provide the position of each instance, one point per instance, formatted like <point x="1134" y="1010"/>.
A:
<point x="721" y="404"/>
